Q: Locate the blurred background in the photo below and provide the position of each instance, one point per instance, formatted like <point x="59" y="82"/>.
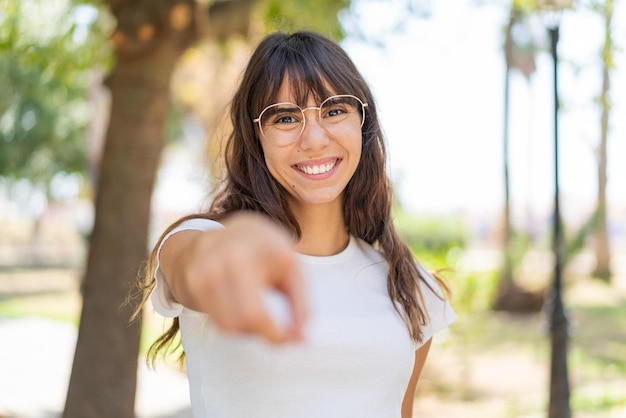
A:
<point x="112" y="114"/>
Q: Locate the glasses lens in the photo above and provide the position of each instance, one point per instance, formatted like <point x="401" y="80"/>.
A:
<point x="340" y="109"/>
<point x="282" y="123"/>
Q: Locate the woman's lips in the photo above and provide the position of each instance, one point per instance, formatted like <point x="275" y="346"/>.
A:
<point x="317" y="168"/>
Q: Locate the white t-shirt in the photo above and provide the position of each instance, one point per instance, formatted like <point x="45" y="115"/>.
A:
<point x="355" y="361"/>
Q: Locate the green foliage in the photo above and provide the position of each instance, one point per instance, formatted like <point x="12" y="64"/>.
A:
<point x="575" y="241"/>
<point x="524" y="6"/>
<point x="47" y="51"/>
<point x="473" y="292"/>
<point x="593" y="402"/>
<point x="439" y="244"/>
<point x="289" y="16"/>
<point x="518" y="248"/>
<point x="431" y="234"/>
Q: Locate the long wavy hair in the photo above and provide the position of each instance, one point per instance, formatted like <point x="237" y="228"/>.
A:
<point x="313" y="65"/>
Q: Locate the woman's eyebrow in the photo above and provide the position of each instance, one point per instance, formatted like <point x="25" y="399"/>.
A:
<point x="282" y="108"/>
<point x="337" y="100"/>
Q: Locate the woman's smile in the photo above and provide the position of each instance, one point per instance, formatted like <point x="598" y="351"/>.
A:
<point x="317" y="169"/>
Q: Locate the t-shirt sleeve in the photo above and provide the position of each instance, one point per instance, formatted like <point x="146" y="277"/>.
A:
<point x="440" y="313"/>
<point x="161" y="297"/>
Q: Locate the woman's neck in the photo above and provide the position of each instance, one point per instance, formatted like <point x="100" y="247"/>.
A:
<point x="323" y="230"/>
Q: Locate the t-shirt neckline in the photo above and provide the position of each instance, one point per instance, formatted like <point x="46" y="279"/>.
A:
<point x="329" y="259"/>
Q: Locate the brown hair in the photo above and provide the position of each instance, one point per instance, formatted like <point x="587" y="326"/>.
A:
<point x="312" y="63"/>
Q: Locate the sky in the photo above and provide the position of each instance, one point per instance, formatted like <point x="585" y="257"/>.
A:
<point x="439" y="85"/>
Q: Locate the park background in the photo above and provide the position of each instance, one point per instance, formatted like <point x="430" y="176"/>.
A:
<point x="438" y="71"/>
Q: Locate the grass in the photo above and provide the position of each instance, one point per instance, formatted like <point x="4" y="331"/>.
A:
<point x="61" y="307"/>
<point x="53" y="294"/>
<point x="48" y="293"/>
<point x="497" y="364"/>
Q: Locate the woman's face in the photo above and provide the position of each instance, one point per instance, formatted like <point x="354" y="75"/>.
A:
<point x="316" y="168"/>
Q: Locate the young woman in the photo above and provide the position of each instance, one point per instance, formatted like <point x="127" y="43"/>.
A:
<point x="294" y="295"/>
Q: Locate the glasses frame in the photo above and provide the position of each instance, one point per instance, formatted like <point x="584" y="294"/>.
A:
<point x="319" y="113"/>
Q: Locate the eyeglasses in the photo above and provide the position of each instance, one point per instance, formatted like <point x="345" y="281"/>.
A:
<point x="283" y="123"/>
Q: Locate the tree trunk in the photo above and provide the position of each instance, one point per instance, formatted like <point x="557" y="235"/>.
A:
<point x="103" y="378"/>
<point x="602" y="250"/>
<point x="510" y="296"/>
<point x="506" y="278"/>
<point x="506" y="275"/>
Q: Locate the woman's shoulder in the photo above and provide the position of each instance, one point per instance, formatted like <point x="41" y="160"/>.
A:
<point x="437" y="304"/>
<point x="198" y="223"/>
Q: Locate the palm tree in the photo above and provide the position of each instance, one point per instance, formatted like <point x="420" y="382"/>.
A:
<point x="602" y="249"/>
<point x="510" y="296"/>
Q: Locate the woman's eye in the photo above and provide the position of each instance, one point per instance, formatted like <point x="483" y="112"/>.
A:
<point x="334" y="111"/>
<point x="285" y="119"/>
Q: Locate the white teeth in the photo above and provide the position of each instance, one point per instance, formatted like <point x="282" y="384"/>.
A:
<point x="316" y="169"/>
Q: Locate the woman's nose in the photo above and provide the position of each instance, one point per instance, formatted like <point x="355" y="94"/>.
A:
<point x="314" y="136"/>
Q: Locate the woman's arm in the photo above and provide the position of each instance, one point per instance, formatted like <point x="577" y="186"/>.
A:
<point x="224" y="273"/>
<point x="420" y="359"/>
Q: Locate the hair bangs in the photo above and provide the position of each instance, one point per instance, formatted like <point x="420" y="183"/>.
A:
<point x="311" y="69"/>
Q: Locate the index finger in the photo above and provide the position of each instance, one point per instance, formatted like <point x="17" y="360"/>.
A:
<point x="292" y="286"/>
